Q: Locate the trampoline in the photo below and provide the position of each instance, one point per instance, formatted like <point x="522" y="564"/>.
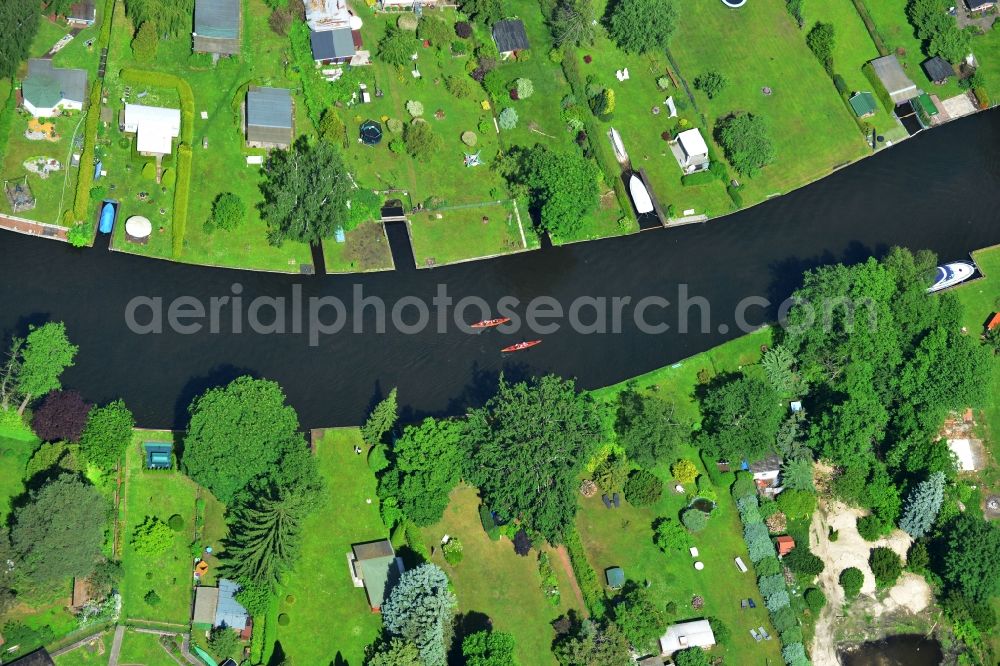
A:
<point x="371" y="133"/>
<point x="734" y="4"/>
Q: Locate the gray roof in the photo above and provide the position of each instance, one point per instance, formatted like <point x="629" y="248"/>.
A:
<point x="217" y="18"/>
<point x="83" y="11"/>
<point x="230" y="613"/>
<point x="510" y="36"/>
<point x="895" y="80"/>
<point x="979" y="4"/>
<point x="46" y="85"/>
<point x="269" y="107"/>
<point x="770" y="463"/>
<point x="332" y="44"/>
<point x="39" y="657"/>
<point x="937" y="68"/>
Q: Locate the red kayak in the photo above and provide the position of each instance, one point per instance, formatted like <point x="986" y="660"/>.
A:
<point x="521" y="345"/>
<point x="490" y="323"/>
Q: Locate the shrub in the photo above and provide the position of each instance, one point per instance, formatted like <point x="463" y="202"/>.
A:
<point x="149" y="171"/>
<point x="397" y="146"/>
<point x="421" y="141"/>
<point x="840" y="84"/>
<point x="770" y="584"/>
<point x="593" y="592"/>
<point x="684" y="471"/>
<point x="706" y="490"/>
<point x="802" y="561"/>
<point x="851" y="579"/>
<point x="886" y="566"/>
<point x="524" y="88"/>
<point x="414" y="108"/>
<point x="870" y="528"/>
<point x="80" y="234"/>
<point x="290" y="599"/>
<point x="777" y="600"/>
<point x="176" y="522"/>
<point x="556" y="56"/>
<point x="463" y="29"/>
<point x="793" y="653"/>
<point x="768" y="566"/>
<point x="792" y="635"/>
<point x="744" y="485"/>
<point x="228" y="212"/>
<point x="283" y="619"/>
<point x="489" y="525"/>
<point x="459" y="86"/>
<point x="452" y="551"/>
<point x="734" y="194"/>
<point x="663" y="82"/>
<point x="694" y="519"/>
<point x="495" y="84"/>
<point x="415" y="540"/>
<point x="395" y="125"/>
<point x="783" y="619"/>
<point x="747" y="506"/>
<point x="152" y="598"/>
<point x="469" y="138"/>
<point x="711" y="83"/>
<point x="768" y="507"/>
<point x="508" y="119"/>
<point x="815" y="599"/>
<point x="642" y="488"/>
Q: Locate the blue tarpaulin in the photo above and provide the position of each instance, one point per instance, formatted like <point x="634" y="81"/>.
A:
<point x="107" y="218"/>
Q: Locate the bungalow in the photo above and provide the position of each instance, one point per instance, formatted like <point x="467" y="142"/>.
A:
<point x="269" y="118"/>
<point x="938" y="69"/>
<point x="82" y="14"/>
<point x="155" y="128"/>
<point x="693" y="151"/>
<point x="980" y="5"/>
<point x="697" y="633"/>
<point x="217" y="27"/>
<point x="894" y="79"/>
<point x="217" y="607"/>
<point x="47" y="90"/>
<point x="785" y="545"/>
<point x="375" y="567"/>
<point x="510" y="37"/>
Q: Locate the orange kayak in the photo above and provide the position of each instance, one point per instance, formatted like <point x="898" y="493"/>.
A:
<point x="521" y="345"/>
<point x="490" y="323"/>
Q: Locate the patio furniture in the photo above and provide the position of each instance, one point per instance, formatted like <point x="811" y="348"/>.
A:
<point x="699" y="566"/>
<point x="616" y="500"/>
<point x="694" y="551"/>
<point x="743" y="604"/>
<point x="606" y="500"/>
<point x="739" y="565"/>
<point x="752" y="604"/>
<point x="763" y="632"/>
<point x="757" y="637"/>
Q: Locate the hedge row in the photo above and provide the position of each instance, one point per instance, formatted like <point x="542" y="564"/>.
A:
<point x="81" y="202"/>
<point x="257" y="639"/>
<point x="590" y="586"/>
<point x="870" y="26"/>
<point x="6" y="117"/>
<point x="878" y="88"/>
<point x="982" y="97"/>
<point x="181" y="195"/>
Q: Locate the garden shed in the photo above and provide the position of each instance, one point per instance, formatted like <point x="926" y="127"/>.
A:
<point x="376" y="567"/>
<point x="863" y="104"/>
<point x="217" y="26"/>
<point x="938" y="69"/>
<point x="333" y="46"/>
<point x="693" y="154"/>
<point x="615" y="577"/>
<point x="47" y="89"/>
<point x="894" y="79"/>
<point x="269" y="117"/>
<point x="510" y="37"/>
<point x="159" y="455"/>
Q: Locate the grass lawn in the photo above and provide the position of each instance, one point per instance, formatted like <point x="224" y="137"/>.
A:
<point x="94" y="653"/>
<point x="320" y="588"/>
<point x="492" y="580"/>
<point x="812" y="130"/>
<point x="49" y="32"/>
<point x="159" y="493"/>
<point x="145" y="649"/>
<point x="443" y="237"/>
<point x="364" y="249"/>
<point x="987" y="50"/>
<point x="624" y="538"/>
<point x="15" y="454"/>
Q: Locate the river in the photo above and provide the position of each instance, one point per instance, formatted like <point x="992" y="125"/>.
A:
<point x="940" y="190"/>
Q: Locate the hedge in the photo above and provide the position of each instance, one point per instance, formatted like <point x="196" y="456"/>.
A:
<point x="982" y="97"/>
<point x="593" y="593"/>
<point x="697" y="178"/>
<point x="181" y="196"/>
<point x="270" y="630"/>
<point x="6" y="118"/>
<point x="489" y="525"/>
<point x="878" y="88"/>
<point x="870" y="26"/>
<point x="81" y="202"/>
<point x="415" y="541"/>
<point x="257" y="639"/>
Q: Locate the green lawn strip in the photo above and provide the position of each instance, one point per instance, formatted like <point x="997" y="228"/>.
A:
<point x="142" y="648"/>
<point x="320" y="586"/>
<point x="15" y="453"/>
<point x="94" y="653"/>
<point x="444" y="237"/>
<point x="623" y="538"/>
<point x="493" y="580"/>
<point x="812" y="130"/>
<point x="987" y="50"/>
<point x="159" y="493"/>
<point x="364" y="249"/>
<point x="49" y="32"/>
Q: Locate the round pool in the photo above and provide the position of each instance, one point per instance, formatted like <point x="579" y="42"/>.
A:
<point x="702" y="504"/>
<point x="734" y="4"/>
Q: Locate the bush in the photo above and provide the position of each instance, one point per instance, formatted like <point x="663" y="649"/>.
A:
<point x="463" y="29"/>
<point x="176" y="522"/>
<point x="283" y="619"/>
<point x="593" y="592"/>
<point x="397" y="146"/>
<point x="684" y="471"/>
<point x="870" y="528"/>
<point x="783" y="619"/>
<point x="421" y="141"/>
<point x="748" y="508"/>
<point x="524" y="88"/>
<point x="886" y="566"/>
<point x="495" y="84"/>
<point x="469" y="138"/>
<point x="152" y="598"/>
<point x="415" y="108"/>
<point x="489" y="525"/>
<point x="802" y="561"/>
<point x="768" y="566"/>
<point x="711" y="83"/>
<point x="694" y="519"/>
<point x="452" y="551"/>
<point x="228" y="212"/>
<point x="770" y="584"/>
<point x="642" y="488"/>
<point x="744" y="485"/>
<point x="851" y="579"/>
<point x="459" y="86"/>
<point x="508" y="119"/>
<point x="80" y="234"/>
<point x="734" y="194"/>
<point x="841" y="84"/>
<point x="407" y="22"/>
<point x="777" y="600"/>
<point x="815" y="599"/>
<point x="415" y="540"/>
<point x="793" y="653"/>
<point x="395" y="125"/>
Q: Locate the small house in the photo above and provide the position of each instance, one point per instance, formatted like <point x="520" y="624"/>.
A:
<point x="510" y="37"/>
<point x="48" y="90"/>
<point x="155" y="128"/>
<point x="863" y="105"/>
<point x="82" y="14"/>
<point x="269" y="117"/>
<point x="333" y="46"/>
<point x="938" y="69"/>
<point x="693" y="151"/>
<point x="684" y="635"/>
<point x="217" y="607"/>
<point x="375" y="566"/>
<point x="785" y="545"/>
<point x="39" y="657"/>
<point x="159" y="455"/>
<point x="217" y="27"/>
<point x="980" y="5"/>
<point x="894" y="79"/>
<point x="615" y="577"/>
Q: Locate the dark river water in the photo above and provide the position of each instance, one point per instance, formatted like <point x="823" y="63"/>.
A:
<point x="940" y="190"/>
<point x="902" y="650"/>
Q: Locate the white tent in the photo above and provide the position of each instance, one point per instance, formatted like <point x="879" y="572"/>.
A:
<point x="155" y="127"/>
<point x="138" y="226"/>
<point x="697" y="633"/>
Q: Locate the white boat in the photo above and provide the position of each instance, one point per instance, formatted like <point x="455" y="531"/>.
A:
<point x="948" y="275"/>
<point x="616" y="142"/>
<point x="640" y="196"/>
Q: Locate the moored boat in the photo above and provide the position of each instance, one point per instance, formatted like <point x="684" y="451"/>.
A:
<point x="948" y="275"/>
<point x="490" y="323"/>
<point x="521" y="345"/>
<point x="618" y="145"/>
<point x="640" y="195"/>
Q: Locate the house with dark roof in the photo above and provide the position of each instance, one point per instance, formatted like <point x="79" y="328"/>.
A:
<point x="47" y="90"/>
<point x="39" y="657"/>
<point x="333" y="46"/>
<point x="375" y="567"/>
<point x="82" y="14"/>
<point x="938" y="69"/>
<point x="510" y="37"/>
<point x="217" y="27"/>
<point x="269" y="117"/>
<point x="894" y="79"/>
<point x="980" y="5"/>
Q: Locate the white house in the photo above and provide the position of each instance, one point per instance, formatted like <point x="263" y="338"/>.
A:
<point x="694" y="151"/>
<point x="155" y="128"/>
<point x="766" y="473"/>
<point x="696" y="633"/>
<point x="47" y="90"/>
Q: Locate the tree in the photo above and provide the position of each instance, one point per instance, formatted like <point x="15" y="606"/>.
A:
<point x="489" y="648"/>
<point x="638" y="617"/>
<point x="237" y="433"/>
<point x="971" y="563"/>
<point x="522" y="543"/>
<point x="396" y="47"/>
<point x="421" y="141"/>
<point x="486" y="12"/>
<point x="18" y="24"/>
<point x="779" y="363"/>
<point x="331" y="128"/>
<point x="265" y="534"/>
<point x="694" y="519"/>
<point x="684" y="471"/>
<point x="59" y="532"/>
<point x="107" y="434"/>
<point x="797" y="474"/>
<point x="642" y="488"/>
<point x="426" y="465"/>
<point x="603" y="104"/>
<point x="797" y="503"/>
<point x="815" y="599"/>
<point x="740" y="418"/>
<point x="820" y="40"/>
<point x="53" y="458"/>
<point x="669" y="535"/>
<point x="922" y="506"/>
<point x="938" y="31"/>
<point x="562" y="186"/>
<point x="803" y="561"/>
<point x="173" y="18"/>
<point x="57" y="7"/>
<point x="394" y="652"/>
<point x="508" y="118"/>
<point x="691" y="657"/>
<point x="223" y="642"/>
<point x="419" y="609"/>
<point x="62" y="415"/>
<point x="152" y="537"/>
<point x="711" y="83"/>
<point x="641" y="26"/>
<point x="886" y="566"/>
<point x="593" y="644"/>
<point x="527" y="445"/>
<point x="524" y="88"/>
<point x="745" y="139"/>
<point x="612" y="474"/>
<point x="228" y="212"/>
<point x="434" y="30"/>
<point x="145" y="42"/>
<point x="648" y="427"/>
<point x="47" y="353"/>
<point x="305" y="192"/>
<point x="574" y="23"/>
<point x="382" y="419"/>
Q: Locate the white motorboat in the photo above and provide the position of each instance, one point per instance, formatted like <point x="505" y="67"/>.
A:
<point x="948" y="275"/>
<point x="616" y="142"/>
<point x="640" y="196"/>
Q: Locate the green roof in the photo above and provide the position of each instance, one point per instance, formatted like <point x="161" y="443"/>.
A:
<point x="45" y="86"/>
<point x="376" y="574"/>
<point x="863" y="103"/>
<point x="926" y="104"/>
